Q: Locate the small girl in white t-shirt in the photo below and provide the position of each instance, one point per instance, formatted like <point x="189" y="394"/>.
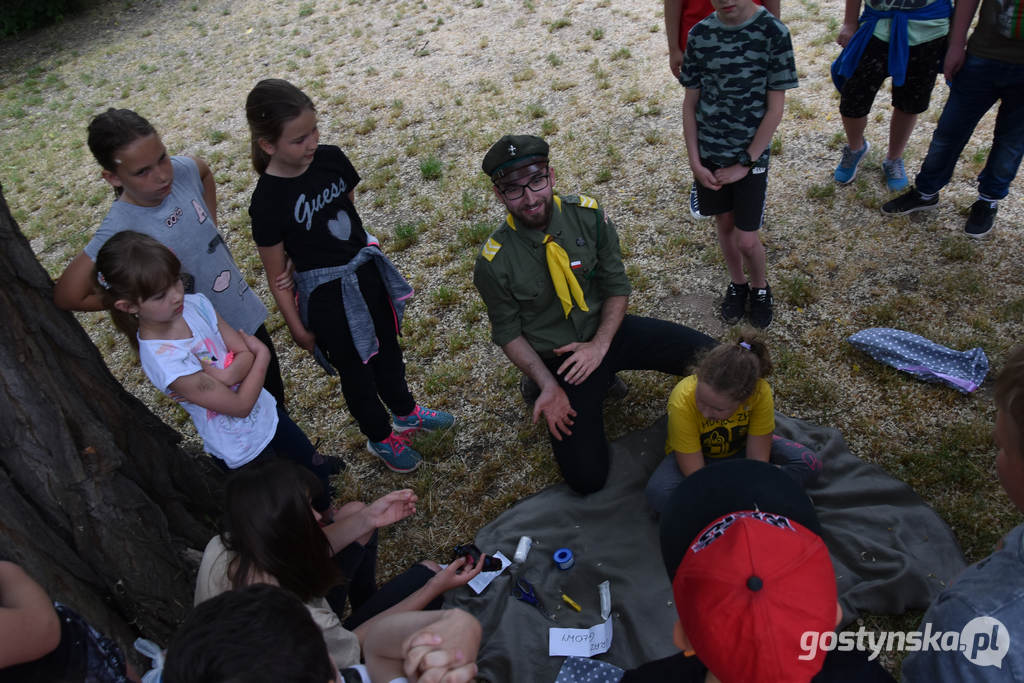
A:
<point x="188" y="352"/>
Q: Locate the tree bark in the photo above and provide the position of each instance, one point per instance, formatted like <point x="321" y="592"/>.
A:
<point x="97" y="500"/>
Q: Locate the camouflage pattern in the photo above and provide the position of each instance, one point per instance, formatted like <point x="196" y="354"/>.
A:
<point x="734" y="67"/>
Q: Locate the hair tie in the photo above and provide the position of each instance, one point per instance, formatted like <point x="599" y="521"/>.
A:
<point x="745" y="345"/>
<point x="102" y="280"/>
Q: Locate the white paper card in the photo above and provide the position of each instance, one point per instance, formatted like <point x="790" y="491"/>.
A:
<point x="483" y="579"/>
<point x="580" y="642"/>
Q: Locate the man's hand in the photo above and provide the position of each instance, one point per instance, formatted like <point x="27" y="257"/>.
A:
<point x="730" y="174"/>
<point x="554" y="404"/>
<point x="391" y="508"/>
<point x="583" y="360"/>
<point x="846" y="32"/>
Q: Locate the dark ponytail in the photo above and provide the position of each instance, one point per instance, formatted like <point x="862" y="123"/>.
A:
<point x="269" y="106"/>
<point x="112" y="130"/>
<point x="133" y="267"/>
<point x="733" y="369"/>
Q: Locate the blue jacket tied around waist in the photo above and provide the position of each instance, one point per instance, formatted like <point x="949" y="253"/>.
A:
<point x="899" y="41"/>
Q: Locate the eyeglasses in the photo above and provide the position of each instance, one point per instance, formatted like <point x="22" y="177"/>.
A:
<point x="513" y="191"/>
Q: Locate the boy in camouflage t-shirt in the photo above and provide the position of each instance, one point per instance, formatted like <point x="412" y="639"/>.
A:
<point x="737" y="67"/>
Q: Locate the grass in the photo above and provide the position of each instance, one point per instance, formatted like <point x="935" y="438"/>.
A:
<point x="416" y="130"/>
<point x="430" y="168"/>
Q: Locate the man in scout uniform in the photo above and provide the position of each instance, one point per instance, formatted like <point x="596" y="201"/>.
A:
<point x="556" y="294"/>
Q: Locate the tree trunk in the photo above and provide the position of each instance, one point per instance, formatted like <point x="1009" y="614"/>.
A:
<point x="97" y="501"/>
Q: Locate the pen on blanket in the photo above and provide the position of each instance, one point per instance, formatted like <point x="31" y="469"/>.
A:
<point x="572" y="603"/>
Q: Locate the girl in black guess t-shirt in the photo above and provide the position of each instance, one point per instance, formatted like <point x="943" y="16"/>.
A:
<point x="350" y="296"/>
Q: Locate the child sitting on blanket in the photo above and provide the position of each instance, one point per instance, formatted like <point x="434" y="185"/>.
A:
<point x="986" y="602"/>
<point x="751" y="578"/>
<point x="264" y="633"/>
<point x="726" y="411"/>
<point x="270" y="534"/>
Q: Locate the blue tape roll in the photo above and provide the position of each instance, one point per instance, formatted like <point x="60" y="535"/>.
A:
<point x="564" y="559"/>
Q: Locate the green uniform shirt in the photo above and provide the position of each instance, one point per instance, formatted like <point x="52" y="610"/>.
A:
<point x="513" y="279"/>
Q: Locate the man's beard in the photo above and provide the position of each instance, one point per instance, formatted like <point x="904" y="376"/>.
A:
<point x="538" y="221"/>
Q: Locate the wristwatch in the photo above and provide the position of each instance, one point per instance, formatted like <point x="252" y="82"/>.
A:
<point x="744" y="159"/>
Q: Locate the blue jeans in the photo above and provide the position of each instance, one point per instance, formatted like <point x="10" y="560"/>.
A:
<point x="795" y="459"/>
<point x="975" y="89"/>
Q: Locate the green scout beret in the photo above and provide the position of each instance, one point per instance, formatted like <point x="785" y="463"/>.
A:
<point x="513" y="151"/>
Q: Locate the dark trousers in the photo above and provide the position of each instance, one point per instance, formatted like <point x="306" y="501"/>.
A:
<point x="640" y="344"/>
<point x="291" y="443"/>
<point x="273" y="382"/>
<point x="364" y="385"/>
<point x="795" y="459"/>
<point x="358" y="565"/>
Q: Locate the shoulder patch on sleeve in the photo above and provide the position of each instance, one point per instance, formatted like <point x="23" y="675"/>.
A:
<point x="490" y="249"/>
<point x="587" y="202"/>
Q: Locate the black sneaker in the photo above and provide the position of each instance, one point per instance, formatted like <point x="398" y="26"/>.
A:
<point x="762" y="306"/>
<point x="979" y="222"/>
<point x="734" y="306"/>
<point x="335" y="464"/>
<point x="909" y="202"/>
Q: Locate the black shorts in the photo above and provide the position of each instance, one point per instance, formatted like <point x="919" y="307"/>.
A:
<point x="923" y="64"/>
<point x="745" y="198"/>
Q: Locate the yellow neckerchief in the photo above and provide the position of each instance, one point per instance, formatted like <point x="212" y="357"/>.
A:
<point x="566" y="286"/>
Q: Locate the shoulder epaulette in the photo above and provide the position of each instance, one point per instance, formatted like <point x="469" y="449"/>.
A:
<point x="490" y="249"/>
<point x="581" y="200"/>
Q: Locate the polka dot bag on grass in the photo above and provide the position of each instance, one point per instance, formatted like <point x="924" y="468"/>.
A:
<point x="923" y="358"/>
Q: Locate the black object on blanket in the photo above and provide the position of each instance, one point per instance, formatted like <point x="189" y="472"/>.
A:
<point x="890" y="550"/>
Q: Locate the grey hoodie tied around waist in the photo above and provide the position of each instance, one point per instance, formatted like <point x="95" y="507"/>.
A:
<point x="360" y="322"/>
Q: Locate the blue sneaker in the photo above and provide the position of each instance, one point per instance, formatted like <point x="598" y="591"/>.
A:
<point x="895" y="175"/>
<point x="695" y="204"/>
<point x="424" y="418"/>
<point x="396" y="453"/>
<point x="846" y="171"/>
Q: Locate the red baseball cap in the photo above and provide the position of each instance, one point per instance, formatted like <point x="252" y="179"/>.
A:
<point x="754" y="580"/>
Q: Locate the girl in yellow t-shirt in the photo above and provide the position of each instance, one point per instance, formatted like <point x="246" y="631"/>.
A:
<point x="725" y="410"/>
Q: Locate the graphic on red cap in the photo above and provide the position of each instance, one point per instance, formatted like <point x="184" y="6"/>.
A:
<point x="749" y="586"/>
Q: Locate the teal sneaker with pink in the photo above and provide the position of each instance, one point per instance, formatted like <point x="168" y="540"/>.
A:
<point x="425" y="419"/>
<point x="396" y="453"/>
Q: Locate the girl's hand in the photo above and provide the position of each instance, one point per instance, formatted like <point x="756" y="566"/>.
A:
<point x="450" y="577"/>
<point x="220" y="374"/>
<point x="284" y="280"/>
<point x="258" y="348"/>
<point x="444" y="651"/>
<point x="304" y="338"/>
<point x="391" y="508"/>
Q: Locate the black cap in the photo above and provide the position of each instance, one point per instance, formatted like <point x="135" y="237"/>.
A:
<point x="513" y="151"/>
<point x="732" y="486"/>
